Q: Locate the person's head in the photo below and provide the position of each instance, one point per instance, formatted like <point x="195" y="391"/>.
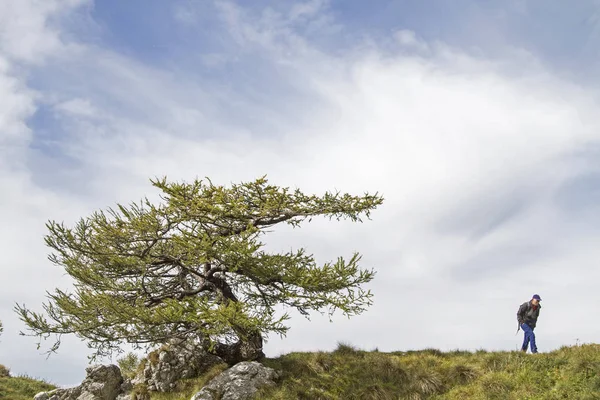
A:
<point x="535" y="300"/>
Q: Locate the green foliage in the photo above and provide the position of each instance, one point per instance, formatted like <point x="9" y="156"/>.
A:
<point x="129" y="364"/>
<point x="344" y="348"/>
<point x="4" y="372"/>
<point x="140" y="392"/>
<point x="22" y="387"/>
<point x="195" y="264"/>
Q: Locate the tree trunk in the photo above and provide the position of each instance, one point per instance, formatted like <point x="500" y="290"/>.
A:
<point x="248" y="349"/>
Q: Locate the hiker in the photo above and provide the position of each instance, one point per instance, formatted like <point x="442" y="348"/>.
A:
<point x="527" y="316"/>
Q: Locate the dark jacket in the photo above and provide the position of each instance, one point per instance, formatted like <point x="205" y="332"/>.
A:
<point x="527" y="314"/>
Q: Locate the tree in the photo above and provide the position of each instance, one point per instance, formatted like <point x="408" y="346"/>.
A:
<point x="194" y="264"/>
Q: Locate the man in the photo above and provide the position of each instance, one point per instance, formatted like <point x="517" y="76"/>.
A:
<point x="527" y="316"/>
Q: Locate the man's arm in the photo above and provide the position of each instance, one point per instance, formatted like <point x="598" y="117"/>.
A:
<point x="521" y="313"/>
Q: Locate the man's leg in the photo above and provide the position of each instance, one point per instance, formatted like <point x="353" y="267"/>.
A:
<point x="532" y="341"/>
<point x="526" y="330"/>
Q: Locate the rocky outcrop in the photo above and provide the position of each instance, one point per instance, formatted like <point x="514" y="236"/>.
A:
<point x="177" y="360"/>
<point x="103" y="382"/>
<point x="240" y="382"/>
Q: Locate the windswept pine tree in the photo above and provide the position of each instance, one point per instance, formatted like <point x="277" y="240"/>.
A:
<point x="195" y="265"/>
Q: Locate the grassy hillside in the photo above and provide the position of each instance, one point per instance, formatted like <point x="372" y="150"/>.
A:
<point x="569" y="373"/>
<point x="347" y="373"/>
<point x="20" y="387"/>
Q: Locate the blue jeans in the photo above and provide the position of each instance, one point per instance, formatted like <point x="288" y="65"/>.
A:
<point x="529" y="338"/>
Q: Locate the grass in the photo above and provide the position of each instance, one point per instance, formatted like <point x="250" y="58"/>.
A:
<point x="350" y="373"/>
<point x="20" y="387"/>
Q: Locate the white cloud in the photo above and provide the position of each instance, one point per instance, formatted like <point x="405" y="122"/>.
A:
<point x="16" y="103"/>
<point x="185" y="14"/>
<point x="77" y="107"/>
<point x="469" y="154"/>
<point x="307" y="9"/>
<point x="27" y="37"/>
<point x="409" y="38"/>
<point x="28" y="33"/>
<point x="282" y="31"/>
<point x="215" y="60"/>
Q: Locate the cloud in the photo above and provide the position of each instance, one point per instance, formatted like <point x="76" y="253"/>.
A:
<point x="29" y="35"/>
<point x="29" y="32"/>
<point x="308" y="9"/>
<point x="409" y="38"/>
<point x="77" y="108"/>
<point x="185" y="14"/>
<point x="17" y="102"/>
<point x="485" y="166"/>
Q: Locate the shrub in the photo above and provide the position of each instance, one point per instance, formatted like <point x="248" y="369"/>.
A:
<point x="4" y="372"/>
<point x="462" y="374"/>
<point x="129" y="364"/>
<point x="345" y="349"/>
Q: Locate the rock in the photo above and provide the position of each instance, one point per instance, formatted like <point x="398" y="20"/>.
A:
<point x="126" y="386"/>
<point x="178" y="360"/>
<point x="103" y="382"/>
<point x="60" y="394"/>
<point x="240" y="382"/>
<point x="125" y="390"/>
<point x="242" y="350"/>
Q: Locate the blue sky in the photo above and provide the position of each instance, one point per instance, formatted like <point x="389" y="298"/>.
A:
<point x="478" y="121"/>
<point x="562" y="34"/>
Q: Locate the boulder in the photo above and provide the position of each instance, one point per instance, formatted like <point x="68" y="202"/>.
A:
<point x="103" y="382"/>
<point x="178" y="360"/>
<point x="240" y="382"/>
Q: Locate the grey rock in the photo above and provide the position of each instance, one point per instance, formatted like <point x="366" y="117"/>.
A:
<point x="180" y="359"/>
<point x="126" y="386"/>
<point x="60" y="394"/>
<point x="240" y="382"/>
<point x="103" y="382"/>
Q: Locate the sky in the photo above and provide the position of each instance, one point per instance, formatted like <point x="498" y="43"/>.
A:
<point x="479" y="123"/>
